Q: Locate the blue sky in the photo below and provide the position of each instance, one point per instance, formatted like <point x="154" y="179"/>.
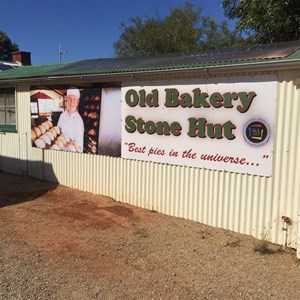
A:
<point x="85" y="28"/>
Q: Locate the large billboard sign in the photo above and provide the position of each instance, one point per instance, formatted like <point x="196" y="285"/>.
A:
<point x="221" y="123"/>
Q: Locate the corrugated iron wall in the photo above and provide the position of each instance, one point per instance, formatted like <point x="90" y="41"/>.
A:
<point x="243" y="203"/>
<point x="15" y="147"/>
<point x="286" y="179"/>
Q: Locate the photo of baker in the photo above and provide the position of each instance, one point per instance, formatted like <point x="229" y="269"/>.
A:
<point x="65" y="118"/>
<point x="70" y="122"/>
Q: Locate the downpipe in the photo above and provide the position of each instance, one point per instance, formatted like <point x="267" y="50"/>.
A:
<point x="287" y="221"/>
<point x="298" y="238"/>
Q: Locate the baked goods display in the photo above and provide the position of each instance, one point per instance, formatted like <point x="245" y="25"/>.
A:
<point x="47" y="136"/>
<point x="92" y="132"/>
<point x="90" y="112"/>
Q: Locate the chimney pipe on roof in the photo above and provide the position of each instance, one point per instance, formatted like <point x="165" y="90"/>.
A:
<point x="22" y="58"/>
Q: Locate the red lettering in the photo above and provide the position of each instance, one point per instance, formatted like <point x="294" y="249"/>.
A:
<point x="132" y="148"/>
<point x="156" y="151"/>
<point x="189" y="154"/>
<point x="225" y="159"/>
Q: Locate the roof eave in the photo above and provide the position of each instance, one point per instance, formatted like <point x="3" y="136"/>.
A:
<point x="265" y="66"/>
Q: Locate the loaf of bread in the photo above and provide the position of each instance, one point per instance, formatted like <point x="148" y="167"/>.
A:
<point x="42" y="128"/>
<point x="50" y="134"/>
<point x="92" y="141"/>
<point x="92" y="132"/>
<point x="60" y="144"/>
<point x="76" y="146"/>
<point x="46" y="139"/>
<point x="46" y="124"/>
<point x="40" y="143"/>
<point x="37" y="131"/>
<point x="57" y="129"/>
<point x="62" y="139"/>
<point x="91" y="148"/>
<point x="54" y="132"/>
<point x="50" y="124"/>
<point x="33" y="135"/>
<point x="66" y="137"/>
<point x="93" y="115"/>
<point x="70" y="147"/>
<point x="55" y="147"/>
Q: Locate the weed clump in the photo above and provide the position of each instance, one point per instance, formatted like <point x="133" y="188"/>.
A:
<point x="264" y="247"/>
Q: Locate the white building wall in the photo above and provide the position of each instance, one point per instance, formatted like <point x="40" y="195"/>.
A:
<point x="243" y="203"/>
<point x="286" y="187"/>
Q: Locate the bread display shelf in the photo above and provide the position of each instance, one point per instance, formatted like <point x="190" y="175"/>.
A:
<point x="91" y="116"/>
<point x="47" y="136"/>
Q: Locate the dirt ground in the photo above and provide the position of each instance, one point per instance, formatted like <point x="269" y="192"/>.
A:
<point x="59" y="243"/>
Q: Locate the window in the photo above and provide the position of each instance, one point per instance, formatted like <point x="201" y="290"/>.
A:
<point x="7" y="110"/>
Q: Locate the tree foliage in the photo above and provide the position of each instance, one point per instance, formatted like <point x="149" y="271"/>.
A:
<point x="265" y="21"/>
<point x="6" y="47"/>
<point x="183" y="30"/>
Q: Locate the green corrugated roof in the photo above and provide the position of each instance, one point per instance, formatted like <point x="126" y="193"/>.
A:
<point x="211" y="58"/>
<point x="31" y="71"/>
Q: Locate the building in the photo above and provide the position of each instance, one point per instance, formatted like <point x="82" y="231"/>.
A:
<point x="19" y="58"/>
<point x="212" y="136"/>
<point x="7" y="66"/>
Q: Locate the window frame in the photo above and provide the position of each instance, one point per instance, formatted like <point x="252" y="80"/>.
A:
<point x="4" y="127"/>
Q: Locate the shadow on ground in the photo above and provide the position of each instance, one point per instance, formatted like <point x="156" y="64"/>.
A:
<point x="17" y="189"/>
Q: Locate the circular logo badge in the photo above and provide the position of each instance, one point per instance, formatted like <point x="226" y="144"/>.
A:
<point x="256" y="132"/>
